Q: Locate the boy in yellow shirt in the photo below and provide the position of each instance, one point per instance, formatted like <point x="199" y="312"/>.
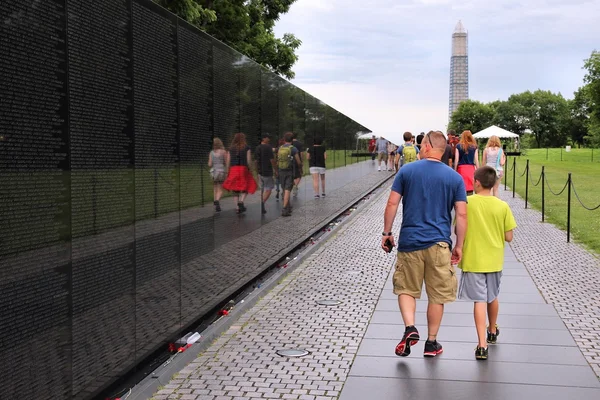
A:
<point x="490" y="224"/>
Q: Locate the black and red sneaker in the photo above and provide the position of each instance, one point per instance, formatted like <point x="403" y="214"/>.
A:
<point x="432" y="348"/>
<point x="410" y="338"/>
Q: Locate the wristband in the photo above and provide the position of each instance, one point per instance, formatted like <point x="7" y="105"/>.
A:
<point x="387" y="234"/>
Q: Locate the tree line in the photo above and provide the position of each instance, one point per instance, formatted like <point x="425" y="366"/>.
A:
<point x="552" y="120"/>
<point x="245" y="25"/>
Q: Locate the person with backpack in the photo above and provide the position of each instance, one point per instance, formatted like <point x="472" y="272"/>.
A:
<point x="408" y="151"/>
<point x="288" y="161"/>
<point x="494" y="157"/>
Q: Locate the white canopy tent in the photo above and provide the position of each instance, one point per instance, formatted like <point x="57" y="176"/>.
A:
<point x="494" y="131"/>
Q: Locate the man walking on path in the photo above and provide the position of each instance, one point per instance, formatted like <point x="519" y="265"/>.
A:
<point x="288" y="161"/>
<point x="298" y="172"/>
<point x="429" y="191"/>
<point x="381" y="147"/>
<point x="265" y="165"/>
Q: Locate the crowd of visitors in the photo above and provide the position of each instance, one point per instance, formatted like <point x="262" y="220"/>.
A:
<point x="278" y="168"/>
<point x="448" y="180"/>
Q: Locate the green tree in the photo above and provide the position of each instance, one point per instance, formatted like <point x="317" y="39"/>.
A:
<point x="592" y="79"/>
<point x="513" y="114"/>
<point x="579" y="110"/>
<point x="471" y="115"/>
<point x="548" y="118"/>
<point x="245" y="25"/>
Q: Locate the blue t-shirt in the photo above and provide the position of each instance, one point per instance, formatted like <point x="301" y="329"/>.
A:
<point x="429" y="190"/>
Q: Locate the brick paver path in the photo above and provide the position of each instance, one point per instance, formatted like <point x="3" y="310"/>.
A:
<point x="242" y="364"/>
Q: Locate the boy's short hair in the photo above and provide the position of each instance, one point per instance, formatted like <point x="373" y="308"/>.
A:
<point x="318" y="140"/>
<point x="407" y="136"/>
<point x="288" y="137"/>
<point x="486" y="176"/>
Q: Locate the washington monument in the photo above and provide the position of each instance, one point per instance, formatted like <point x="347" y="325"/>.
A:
<point x="459" y="68"/>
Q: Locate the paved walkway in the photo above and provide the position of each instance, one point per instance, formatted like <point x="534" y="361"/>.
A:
<point x="352" y="344"/>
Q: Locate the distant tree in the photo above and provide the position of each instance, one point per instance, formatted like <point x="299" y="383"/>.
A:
<point x="592" y="80"/>
<point x="513" y="114"/>
<point x="548" y="118"/>
<point x="579" y="110"/>
<point x="471" y="115"/>
<point x="245" y="25"/>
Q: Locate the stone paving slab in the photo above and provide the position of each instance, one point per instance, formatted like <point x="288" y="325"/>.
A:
<point x="463" y="307"/>
<point x="360" y="388"/>
<point x="525" y="353"/>
<point x="566" y="274"/>
<point x="471" y="370"/>
<point x="467" y="334"/>
<point x="508" y="321"/>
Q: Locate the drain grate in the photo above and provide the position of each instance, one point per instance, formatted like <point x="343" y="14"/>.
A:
<point x="293" y="353"/>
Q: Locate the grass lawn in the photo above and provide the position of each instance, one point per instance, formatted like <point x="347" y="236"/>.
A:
<point x="585" y="225"/>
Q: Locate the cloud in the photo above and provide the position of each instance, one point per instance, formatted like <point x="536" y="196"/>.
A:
<point x="386" y="63"/>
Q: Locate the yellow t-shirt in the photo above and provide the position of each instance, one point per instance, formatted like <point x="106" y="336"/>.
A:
<point x="488" y="219"/>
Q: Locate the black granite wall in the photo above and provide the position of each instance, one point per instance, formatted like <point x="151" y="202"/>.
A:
<point x="107" y="233"/>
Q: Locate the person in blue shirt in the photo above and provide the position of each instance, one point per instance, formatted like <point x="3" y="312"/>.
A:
<point x="429" y="190"/>
<point x="412" y="151"/>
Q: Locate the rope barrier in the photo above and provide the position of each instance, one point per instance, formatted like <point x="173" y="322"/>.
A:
<point x="580" y="202"/>
<point x="539" y="180"/>
<point x="550" y="189"/>
<point x="523" y="174"/>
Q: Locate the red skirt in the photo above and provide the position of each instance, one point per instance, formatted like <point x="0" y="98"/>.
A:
<point x="240" y="180"/>
<point x="467" y="171"/>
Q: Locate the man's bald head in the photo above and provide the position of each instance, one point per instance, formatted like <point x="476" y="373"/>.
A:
<point x="437" y="140"/>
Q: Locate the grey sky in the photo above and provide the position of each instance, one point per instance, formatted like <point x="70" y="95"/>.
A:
<point x="386" y="63"/>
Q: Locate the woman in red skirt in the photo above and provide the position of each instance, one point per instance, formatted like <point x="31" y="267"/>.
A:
<point x="466" y="159"/>
<point x="239" y="180"/>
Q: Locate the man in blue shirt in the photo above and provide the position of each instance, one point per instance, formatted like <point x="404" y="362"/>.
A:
<point x="382" y="153"/>
<point x="429" y="190"/>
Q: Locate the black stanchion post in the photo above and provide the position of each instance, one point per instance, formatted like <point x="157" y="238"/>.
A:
<point x="155" y="193"/>
<point x="546" y="154"/>
<point x="569" y="211"/>
<point x="514" y="174"/>
<point x="526" y="183"/>
<point x="505" y="174"/>
<point x="543" y="192"/>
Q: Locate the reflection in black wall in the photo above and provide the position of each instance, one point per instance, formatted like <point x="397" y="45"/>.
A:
<point x="109" y="242"/>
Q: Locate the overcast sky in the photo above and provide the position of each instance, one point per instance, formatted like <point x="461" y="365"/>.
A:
<point x="386" y="63"/>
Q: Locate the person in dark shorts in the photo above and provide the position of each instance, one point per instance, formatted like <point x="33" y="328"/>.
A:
<point x="266" y="166"/>
<point x="429" y="191"/>
<point x="317" y="155"/>
<point x="298" y="172"/>
<point x="287" y="161"/>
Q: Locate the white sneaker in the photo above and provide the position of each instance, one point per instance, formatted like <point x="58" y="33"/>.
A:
<point x="378" y="168"/>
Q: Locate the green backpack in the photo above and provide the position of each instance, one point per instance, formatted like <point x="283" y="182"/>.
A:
<point x="284" y="157"/>
<point x="409" y="153"/>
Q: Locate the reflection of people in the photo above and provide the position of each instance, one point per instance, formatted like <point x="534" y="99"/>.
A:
<point x="265" y="165"/>
<point x="218" y="173"/>
<point x="288" y="161"/>
<point x="491" y="223"/>
<point x="391" y="149"/>
<point x="316" y="159"/>
<point x="494" y="157"/>
<point x="466" y="159"/>
<point x="428" y="190"/>
<point x="381" y="145"/>
<point x="372" y="148"/>
<point x="239" y="180"/>
<point x="298" y="172"/>
<point x="277" y="184"/>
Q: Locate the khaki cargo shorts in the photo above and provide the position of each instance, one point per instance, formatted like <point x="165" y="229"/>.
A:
<point x="382" y="156"/>
<point x="431" y="265"/>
